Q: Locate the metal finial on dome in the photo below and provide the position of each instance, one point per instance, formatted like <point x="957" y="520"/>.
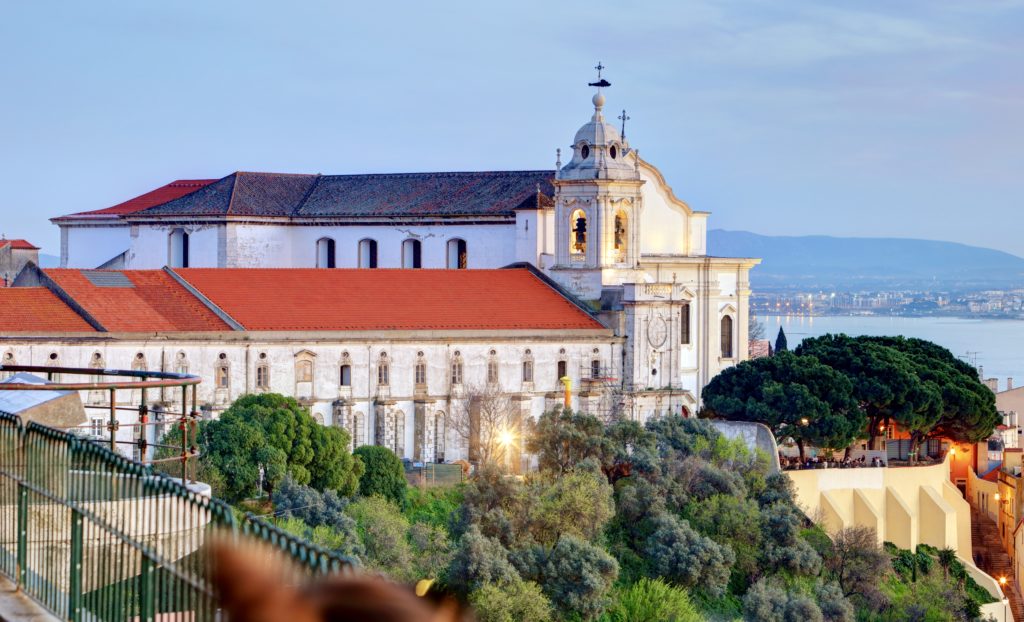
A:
<point x="601" y="82"/>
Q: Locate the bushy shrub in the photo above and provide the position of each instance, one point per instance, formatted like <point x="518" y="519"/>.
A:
<point x="769" y="601"/>
<point x="684" y="557"/>
<point x="515" y="601"/>
<point x="651" y="600"/>
<point x="575" y="575"/>
<point x="319" y="511"/>
<point x="384" y="533"/>
<point x="479" y="561"/>
<point x="383" y="473"/>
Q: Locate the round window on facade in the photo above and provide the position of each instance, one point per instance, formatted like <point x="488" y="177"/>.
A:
<point x="613" y="152"/>
<point x="584" y="152"/>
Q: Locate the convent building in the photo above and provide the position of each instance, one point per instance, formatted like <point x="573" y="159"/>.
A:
<point x="378" y="299"/>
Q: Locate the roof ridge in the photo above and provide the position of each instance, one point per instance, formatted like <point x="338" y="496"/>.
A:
<point x="234" y="184"/>
<point x="203" y="299"/>
<point x="305" y="196"/>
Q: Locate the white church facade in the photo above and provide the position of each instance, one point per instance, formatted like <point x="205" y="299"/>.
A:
<point x="603" y="230"/>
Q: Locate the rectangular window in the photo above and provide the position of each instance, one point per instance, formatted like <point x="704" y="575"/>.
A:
<point x="383" y="375"/>
<point x="346" y="375"/>
<point x="457" y="372"/>
<point x="527" y="371"/>
<point x="421" y="373"/>
<point x="684" y="324"/>
<point x="492" y="372"/>
<point x="222" y="377"/>
<point x="263" y="377"/>
<point x="99" y="427"/>
<point x="595" y="368"/>
<point x="562" y="370"/>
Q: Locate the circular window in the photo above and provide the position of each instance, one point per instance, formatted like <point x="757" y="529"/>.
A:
<point x="457" y="353"/>
<point x="654" y="372"/>
<point x="383" y="355"/>
<point x="420" y="353"/>
<point x="222" y="356"/>
<point x="263" y="355"/>
<point x="97" y="356"/>
<point x="612" y="152"/>
<point x="528" y="351"/>
<point x="493" y="352"/>
<point x="561" y="351"/>
<point x="53" y="357"/>
<point x="344" y="354"/>
<point x="584" y="152"/>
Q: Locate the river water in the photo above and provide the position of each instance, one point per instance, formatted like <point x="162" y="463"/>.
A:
<point x="995" y="345"/>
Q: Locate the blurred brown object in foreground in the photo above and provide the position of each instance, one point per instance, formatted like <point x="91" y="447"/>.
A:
<point x="253" y="588"/>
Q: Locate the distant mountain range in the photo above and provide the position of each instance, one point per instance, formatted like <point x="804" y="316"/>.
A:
<point x="819" y="261"/>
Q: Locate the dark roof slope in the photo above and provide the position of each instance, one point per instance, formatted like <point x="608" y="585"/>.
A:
<point x="399" y="194"/>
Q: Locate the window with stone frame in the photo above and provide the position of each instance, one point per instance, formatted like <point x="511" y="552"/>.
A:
<point x="727" y="338"/>
<point x="54" y="361"/>
<point x="383" y="373"/>
<point x="420" y="372"/>
<point x="562" y="371"/>
<point x="528" y="370"/>
<point x="222" y="373"/>
<point x="492" y="369"/>
<point x="684" y="324"/>
<point x="181" y="363"/>
<point x="358" y="429"/>
<point x="457" y="370"/>
<point x="346" y="376"/>
<point x="8" y="359"/>
<point x="440" y="430"/>
<point x="304" y="370"/>
<point x="263" y="377"/>
<point x="595" y="368"/>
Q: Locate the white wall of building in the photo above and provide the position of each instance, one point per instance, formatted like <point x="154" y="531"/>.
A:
<point x="90" y="246"/>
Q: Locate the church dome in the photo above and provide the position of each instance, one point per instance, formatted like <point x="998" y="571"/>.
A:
<point x="598" y="150"/>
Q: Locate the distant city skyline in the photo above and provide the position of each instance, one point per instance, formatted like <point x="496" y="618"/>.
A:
<point x="794" y="119"/>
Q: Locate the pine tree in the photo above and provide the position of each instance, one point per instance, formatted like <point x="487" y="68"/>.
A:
<point x="780" y="341"/>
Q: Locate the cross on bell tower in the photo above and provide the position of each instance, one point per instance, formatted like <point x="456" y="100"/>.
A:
<point x="623" y="117"/>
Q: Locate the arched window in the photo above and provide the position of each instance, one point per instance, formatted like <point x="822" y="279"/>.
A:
<point x="457" y="254"/>
<point x="420" y="372"/>
<point x="563" y="370"/>
<point x="383" y="371"/>
<point x="440" y="429"/>
<point x="222" y="374"/>
<point x="325" y="253"/>
<point x="367" y="253"/>
<point x="346" y="375"/>
<point x="684" y="324"/>
<point x="457" y="369"/>
<point x="177" y="249"/>
<point x="727" y="349"/>
<point x="578" y="233"/>
<point x="358" y="429"/>
<point x="492" y="371"/>
<point x="263" y="374"/>
<point x="620" y="233"/>
<point x="411" y="254"/>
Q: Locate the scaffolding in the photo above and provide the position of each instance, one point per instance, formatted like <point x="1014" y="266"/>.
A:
<point x="603" y="390"/>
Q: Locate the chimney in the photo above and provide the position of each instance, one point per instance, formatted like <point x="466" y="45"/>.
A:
<point x="1009" y="383"/>
<point x="992" y="383"/>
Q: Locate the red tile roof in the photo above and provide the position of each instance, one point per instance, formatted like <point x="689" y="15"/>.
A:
<point x="149" y="301"/>
<point x="37" y="309"/>
<point x="163" y="194"/>
<point x="21" y="245"/>
<point x="352" y="299"/>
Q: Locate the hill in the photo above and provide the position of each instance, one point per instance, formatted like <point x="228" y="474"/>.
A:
<point x="864" y="263"/>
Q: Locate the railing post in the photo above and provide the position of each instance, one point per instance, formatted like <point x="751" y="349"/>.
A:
<point x="147" y="591"/>
<point x="75" y="587"/>
<point x="184" y="434"/>
<point x="112" y="424"/>
<point x="143" y="426"/>
<point x="22" y="534"/>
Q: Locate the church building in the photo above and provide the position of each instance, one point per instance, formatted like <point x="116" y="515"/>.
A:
<point x="603" y="231"/>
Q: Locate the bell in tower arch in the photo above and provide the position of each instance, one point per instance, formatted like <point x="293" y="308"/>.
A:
<point x="580" y="230"/>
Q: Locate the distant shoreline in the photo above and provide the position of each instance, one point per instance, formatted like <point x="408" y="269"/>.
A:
<point x="909" y="316"/>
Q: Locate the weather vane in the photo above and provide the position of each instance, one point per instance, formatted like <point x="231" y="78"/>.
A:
<point x="601" y="82"/>
<point x="623" y="118"/>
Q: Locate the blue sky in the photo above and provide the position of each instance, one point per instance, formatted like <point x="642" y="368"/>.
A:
<point x="861" y="119"/>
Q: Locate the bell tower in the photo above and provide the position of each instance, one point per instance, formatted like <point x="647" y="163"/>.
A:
<point x="597" y="207"/>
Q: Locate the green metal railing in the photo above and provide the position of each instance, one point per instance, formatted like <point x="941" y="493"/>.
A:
<point x="91" y="535"/>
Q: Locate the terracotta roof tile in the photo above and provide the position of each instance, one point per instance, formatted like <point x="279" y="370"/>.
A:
<point x="163" y="194"/>
<point x="150" y="301"/>
<point x="37" y="309"/>
<point x="21" y="245"/>
<point x="352" y="299"/>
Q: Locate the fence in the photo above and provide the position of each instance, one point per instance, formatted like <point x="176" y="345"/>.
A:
<point x="89" y="534"/>
<point x="432" y="474"/>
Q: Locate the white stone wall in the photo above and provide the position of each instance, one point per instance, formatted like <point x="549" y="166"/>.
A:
<point x="91" y="246"/>
<point x="364" y="397"/>
<point x="150" y="246"/>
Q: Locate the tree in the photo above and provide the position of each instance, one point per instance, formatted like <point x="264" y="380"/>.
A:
<point x="685" y="557"/>
<point x="564" y="438"/>
<point x="651" y="600"/>
<point x="856" y="563"/>
<point x="574" y="574"/>
<point x="316" y="509"/>
<point x="781" y="345"/>
<point x="383" y="473"/>
<point x="577" y="504"/>
<point x="795" y="396"/>
<point x="479" y="561"/>
<point x="275" y="432"/>
<point x="488" y="423"/>
<point x="756" y="329"/>
<point x="384" y="533"/>
<point x="512" y="601"/>
<point x="768" y="601"/>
